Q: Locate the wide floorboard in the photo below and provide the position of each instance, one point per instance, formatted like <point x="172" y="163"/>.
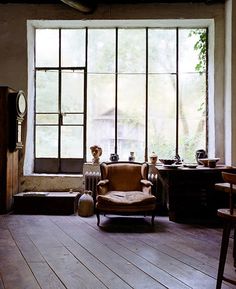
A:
<point x="72" y="252"/>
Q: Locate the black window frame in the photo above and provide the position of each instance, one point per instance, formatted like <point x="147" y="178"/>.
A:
<point x="48" y="165"/>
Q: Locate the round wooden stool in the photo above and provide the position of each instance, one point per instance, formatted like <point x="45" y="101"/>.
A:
<point x="229" y="218"/>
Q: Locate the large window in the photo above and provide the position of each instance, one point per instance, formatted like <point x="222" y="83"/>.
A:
<point x="124" y="89"/>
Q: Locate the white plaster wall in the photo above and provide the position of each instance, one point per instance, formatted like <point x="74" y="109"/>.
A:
<point x="230" y="82"/>
<point x="13" y="59"/>
<point x="233" y="75"/>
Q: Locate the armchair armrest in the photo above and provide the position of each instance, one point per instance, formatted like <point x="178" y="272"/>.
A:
<point x="103" y="182"/>
<point x="146" y="186"/>
<point x="102" y="187"/>
<point x="146" y="183"/>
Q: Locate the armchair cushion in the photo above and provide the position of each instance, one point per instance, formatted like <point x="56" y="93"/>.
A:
<point x="126" y="199"/>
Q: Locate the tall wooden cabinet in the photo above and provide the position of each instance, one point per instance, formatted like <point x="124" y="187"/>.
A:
<point x="11" y="117"/>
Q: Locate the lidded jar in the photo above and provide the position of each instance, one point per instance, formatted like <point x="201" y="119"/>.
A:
<point x="153" y="158"/>
<point x="131" y="157"/>
<point x="86" y="204"/>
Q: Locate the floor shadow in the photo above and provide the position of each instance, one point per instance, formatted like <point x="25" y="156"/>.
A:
<point x="133" y="224"/>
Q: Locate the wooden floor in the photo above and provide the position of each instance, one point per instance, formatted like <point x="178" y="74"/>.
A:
<point x="72" y="252"/>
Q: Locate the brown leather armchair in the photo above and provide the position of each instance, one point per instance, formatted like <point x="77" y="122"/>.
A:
<point x="124" y="189"/>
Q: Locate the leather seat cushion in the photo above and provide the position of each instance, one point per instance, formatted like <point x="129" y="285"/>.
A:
<point x="129" y="199"/>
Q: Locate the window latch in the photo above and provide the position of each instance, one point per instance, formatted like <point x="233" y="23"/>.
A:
<point x="61" y="115"/>
<point x="60" y="118"/>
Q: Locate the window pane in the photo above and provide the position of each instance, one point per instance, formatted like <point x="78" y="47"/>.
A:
<point x="131" y="116"/>
<point x="47" y="119"/>
<point x="47" y="47"/>
<point x="47" y="91"/>
<point x="131" y="50"/>
<point x="101" y="114"/>
<point x="162" y="115"/>
<point x="73" y="47"/>
<point x="101" y="50"/>
<point x="72" y="142"/>
<point x="73" y="118"/>
<point x="162" y="50"/>
<point x="192" y="115"/>
<point x="72" y="98"/>
<point x="188" y="52"/>
<point x="46" y="142"/>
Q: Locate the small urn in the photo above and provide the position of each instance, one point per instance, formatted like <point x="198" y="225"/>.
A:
<point x="114" y="157"/>
<point x="131" y="157"/>
<point x="153" y="158"/>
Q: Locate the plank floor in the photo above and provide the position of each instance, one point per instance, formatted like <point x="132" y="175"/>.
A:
<point x="72" y="252"/>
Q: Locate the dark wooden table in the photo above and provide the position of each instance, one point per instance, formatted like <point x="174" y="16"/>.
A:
<point x="49" y="203"/>
<point x="224" y="187"/>
<point x="190" y="194"/>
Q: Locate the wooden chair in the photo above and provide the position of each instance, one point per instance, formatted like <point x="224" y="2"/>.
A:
<point x="229" y="217"/>
<point x="124" y="189"/>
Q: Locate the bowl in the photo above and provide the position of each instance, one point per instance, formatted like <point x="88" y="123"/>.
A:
<point x="167" y="161"/>
<point x="209" y="162"/>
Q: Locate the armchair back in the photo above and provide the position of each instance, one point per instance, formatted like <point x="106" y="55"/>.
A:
<point x="124" y="176"/>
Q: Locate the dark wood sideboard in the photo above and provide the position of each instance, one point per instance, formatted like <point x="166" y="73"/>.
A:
<point x="189" y="193"/>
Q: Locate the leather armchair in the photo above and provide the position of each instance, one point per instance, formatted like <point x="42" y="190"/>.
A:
<point x="124" y="189"/>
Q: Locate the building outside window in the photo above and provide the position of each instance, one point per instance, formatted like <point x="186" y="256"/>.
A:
<point x="140" y="89"/>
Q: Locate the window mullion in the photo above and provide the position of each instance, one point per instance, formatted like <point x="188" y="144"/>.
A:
<point x="116" y="90"/>
<point x="85" y="93"/>
<point x="59" y="105"/>
<point x="207" y="101"/>
<point x="146" y="104"/>
<point x="177" y="94"/>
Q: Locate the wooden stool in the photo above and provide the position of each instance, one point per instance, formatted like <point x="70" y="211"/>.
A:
<point x="229" y="217"/>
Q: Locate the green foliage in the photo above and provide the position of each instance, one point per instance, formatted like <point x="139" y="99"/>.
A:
<point x="201" y="47"/>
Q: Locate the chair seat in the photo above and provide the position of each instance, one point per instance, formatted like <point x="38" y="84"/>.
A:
<point x="225" y="213"/>
<point x="126" y="201"/>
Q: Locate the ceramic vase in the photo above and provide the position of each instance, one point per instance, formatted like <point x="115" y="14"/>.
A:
<point x="114" y="157"/>
<point x="200" y="154"/>
<point x="86" y="205"/>
<point x="131" y="157"/>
